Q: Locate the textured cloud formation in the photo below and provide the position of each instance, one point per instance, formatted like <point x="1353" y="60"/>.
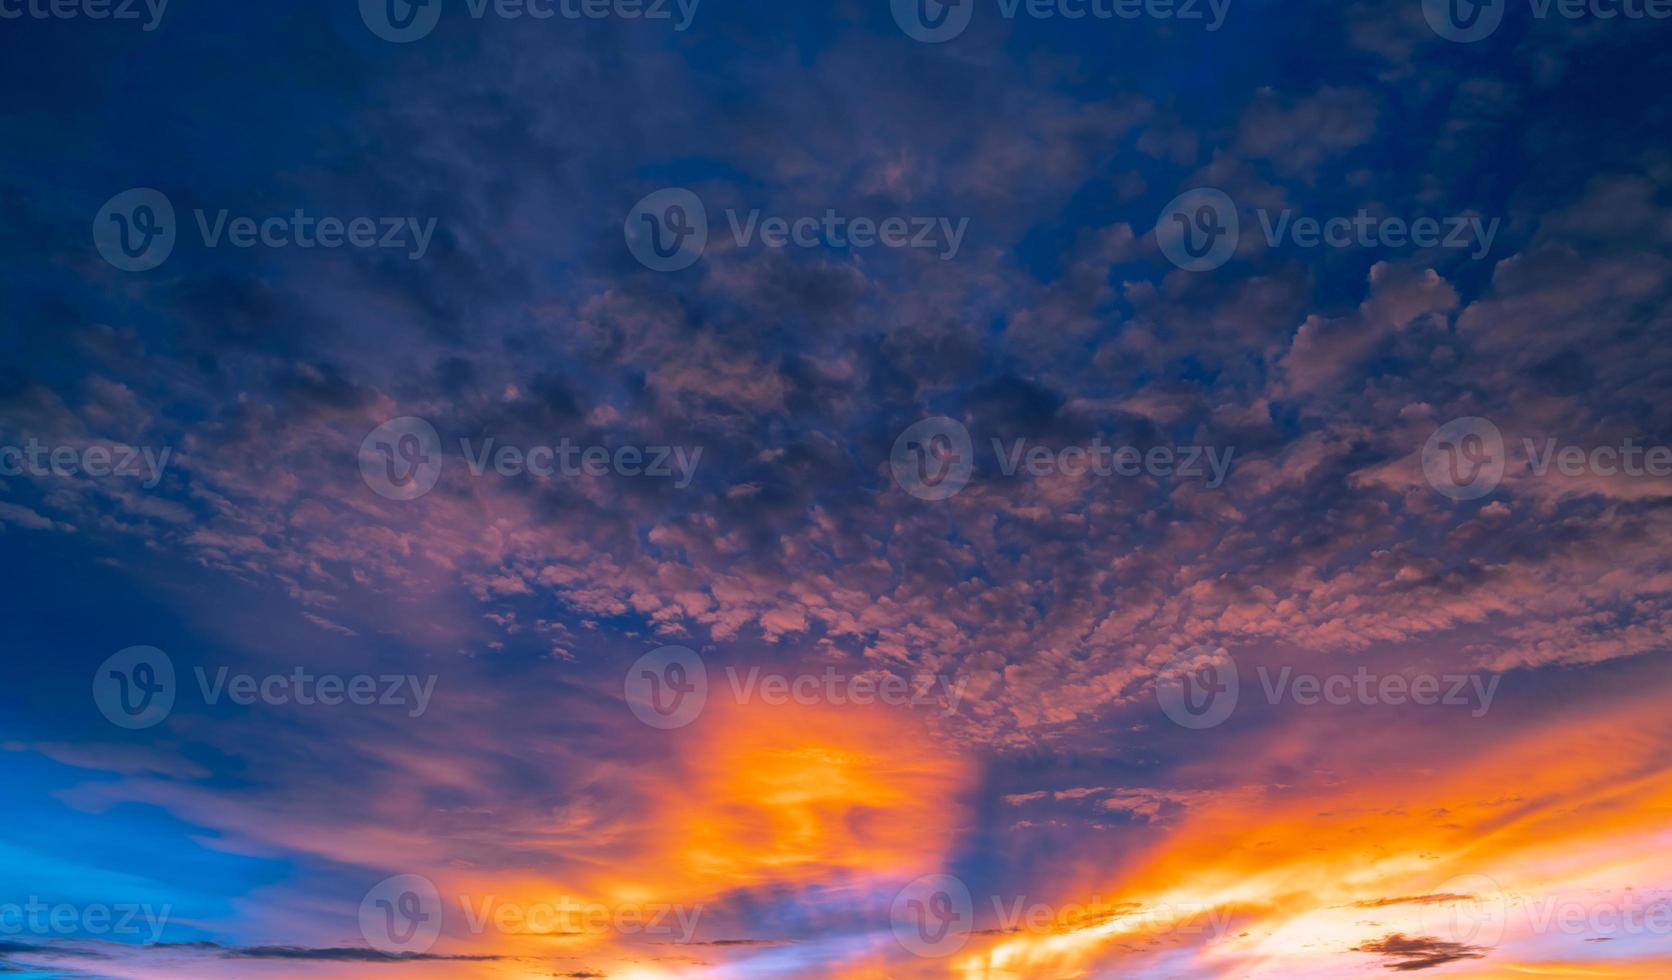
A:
<point x="1288" y="842"/>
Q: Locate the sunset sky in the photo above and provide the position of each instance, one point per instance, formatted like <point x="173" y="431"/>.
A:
<point x="839" y="655"/>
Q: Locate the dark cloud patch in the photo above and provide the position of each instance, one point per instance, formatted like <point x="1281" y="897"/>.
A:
<point x="1380" y="903"/>
<point x="1410" y="953"/>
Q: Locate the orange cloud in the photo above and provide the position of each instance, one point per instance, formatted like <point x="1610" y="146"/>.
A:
<point x="1321" y="873"/>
